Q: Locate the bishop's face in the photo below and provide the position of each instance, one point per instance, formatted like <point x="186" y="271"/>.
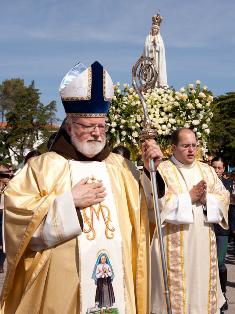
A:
<point x="185" y="150"/>
<point x="87" y="134"/>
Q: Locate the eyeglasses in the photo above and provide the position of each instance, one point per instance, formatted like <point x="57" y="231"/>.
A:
<point x="90" y="128"/>
<point x="186" y="146"/>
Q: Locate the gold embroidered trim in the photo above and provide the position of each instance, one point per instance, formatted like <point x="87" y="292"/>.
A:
<point x="86" y="115"/>
<point x="89" y="84"/>
<point x="89" y="221"/>
<point x="175" y="257"/>
<point x="104" y="87"/>
<point x="212" y="293"/>
<point x="175" y="263"/>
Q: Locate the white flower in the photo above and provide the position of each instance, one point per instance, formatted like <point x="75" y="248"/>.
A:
<point x="208" y="120"/>
<point x="138" y="118"/>
<point x="182" y="90"/>
<point x="186" y="125"/>
<point x="199" y="105"/>
<point x="210" y="98"/>
<point x="172" y="121"/>
<point x="191" y="86"/>
<point x="135" y="134"/>
<point x="163" y="127"/>
<point x="207" y="131"/>
<point x="123" y="133"/>
<point x="195" y="130"/>
<point x="189" y="105"/>
<point x="195" y="122"/>
<point x="112" y="130"/>
<point x="204" y="126"/>
<point x="205" y="87"/>
<point x="113" y="124"/>
<point x="184" y="97"/>
<point x="198" y="82"/>
<point x="193" y="91"/>
<point x="123" y="121"/>
<point x="114" y="98"/>
<point x="202" y="95"/>
<point x="199" y="135"/>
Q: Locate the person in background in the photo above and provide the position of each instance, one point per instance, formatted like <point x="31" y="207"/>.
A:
<point x="222" y="234"/>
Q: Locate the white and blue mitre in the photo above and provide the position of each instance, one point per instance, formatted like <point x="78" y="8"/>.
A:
<point x="87" y="92"/>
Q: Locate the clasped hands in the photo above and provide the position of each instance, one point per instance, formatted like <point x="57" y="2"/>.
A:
<point x="198" y="193"/>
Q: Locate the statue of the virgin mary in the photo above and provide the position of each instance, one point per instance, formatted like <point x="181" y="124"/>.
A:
<point x="154" y="49"/>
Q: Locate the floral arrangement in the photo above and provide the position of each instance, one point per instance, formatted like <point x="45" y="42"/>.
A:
<point x="168" y="109"/>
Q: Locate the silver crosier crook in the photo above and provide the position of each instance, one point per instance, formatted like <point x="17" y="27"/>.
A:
<point x="144" y="77"/>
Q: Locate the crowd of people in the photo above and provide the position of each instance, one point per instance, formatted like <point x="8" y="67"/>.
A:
<point x="79" y="224"/>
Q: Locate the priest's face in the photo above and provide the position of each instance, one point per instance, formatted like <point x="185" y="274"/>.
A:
<point x="87" y="134"/>
<point x="186" y="148"/>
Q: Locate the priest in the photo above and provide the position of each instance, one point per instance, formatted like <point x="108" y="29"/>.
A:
<point x="68" y="207"/>
<point x="194" y="200"/>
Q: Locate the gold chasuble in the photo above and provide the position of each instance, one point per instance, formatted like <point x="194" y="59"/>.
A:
<point x="189" y="239"/>
<point x="108" y="264"/>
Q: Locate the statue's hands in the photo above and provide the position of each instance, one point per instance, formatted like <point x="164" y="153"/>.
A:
<point x="87" y="194"/>
<point x="150" y="150"/>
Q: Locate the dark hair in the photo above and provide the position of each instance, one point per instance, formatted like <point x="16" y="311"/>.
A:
<point x="175" y="135"/>
<point x="33" y="153"/>
<point x="218" y="158"/>
<point x="123" y="151"/>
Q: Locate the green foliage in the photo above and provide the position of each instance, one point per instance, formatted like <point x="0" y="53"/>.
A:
<point x="29" y="122"/>
<point x="222" y="138"/>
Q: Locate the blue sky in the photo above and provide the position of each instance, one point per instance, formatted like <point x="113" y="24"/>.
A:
<point x="41" y="40"/>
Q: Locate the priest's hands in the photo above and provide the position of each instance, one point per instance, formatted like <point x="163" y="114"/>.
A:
<point x="86" y="194"/>
<point x="150" y="150"/>
<point x="198" y="193"/>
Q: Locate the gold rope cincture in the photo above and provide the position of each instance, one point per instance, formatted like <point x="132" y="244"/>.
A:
<point x="91" y="233"/>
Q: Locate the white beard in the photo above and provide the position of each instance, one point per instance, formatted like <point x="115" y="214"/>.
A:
<point x="88" y="149"/>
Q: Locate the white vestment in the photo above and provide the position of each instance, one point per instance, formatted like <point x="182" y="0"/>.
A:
<point x="189" y="239"/>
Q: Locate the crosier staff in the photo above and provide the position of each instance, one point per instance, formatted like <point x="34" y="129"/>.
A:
<point x="144" y="77"/>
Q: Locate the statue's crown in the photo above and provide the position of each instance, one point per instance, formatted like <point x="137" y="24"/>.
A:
<point x="157" y="19"/>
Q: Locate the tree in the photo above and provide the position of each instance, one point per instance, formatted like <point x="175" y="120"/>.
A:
<point x="29" y="122"/>
<point x="8" y="91"/>
<point x="222" y="138"/>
